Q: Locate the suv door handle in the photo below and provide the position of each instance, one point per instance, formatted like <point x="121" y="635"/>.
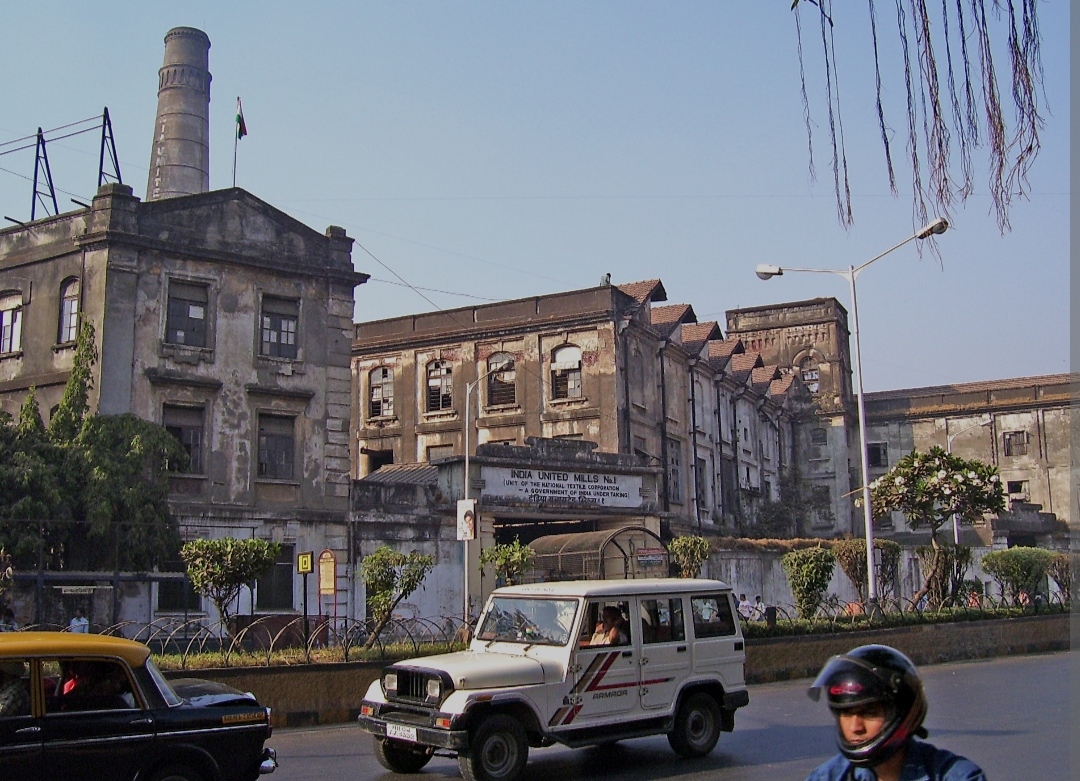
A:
<point x="141" y="723"/>
<point x="627" y="653"/>
<point x="681" y="649"/>
<point x="28" y="731"/>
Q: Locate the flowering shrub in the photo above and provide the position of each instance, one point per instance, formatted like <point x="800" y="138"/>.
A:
<point x="930" y="488"/>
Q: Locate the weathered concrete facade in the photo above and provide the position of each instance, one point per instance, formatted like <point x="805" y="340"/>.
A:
<point x="190" y="298"/>
<point x="604" y="370"/>
<point x="1020" y="426"/>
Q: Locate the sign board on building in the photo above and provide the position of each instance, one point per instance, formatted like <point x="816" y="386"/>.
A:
<point x="646" y="556"/>
<point x="466" y="519"/>
<point x="305" y="563"/>
<point x="555" y="486"/>
<point x="327" y="573"/>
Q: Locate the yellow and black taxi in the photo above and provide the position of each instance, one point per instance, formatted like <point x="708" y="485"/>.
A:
<point x="79" y="706"/>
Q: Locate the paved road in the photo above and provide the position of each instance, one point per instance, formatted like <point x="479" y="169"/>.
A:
<point x="1010" y="715"/>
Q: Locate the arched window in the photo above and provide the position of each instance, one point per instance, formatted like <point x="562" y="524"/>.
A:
<point x="10" y="321"/>
<point x="381" y="402"/>
<point x="566" y="372"/>
<point x="69" y="311"/>
<point x="440" y="386"/>
<point x="810" y="374"/>
<point x="502" y="378"/>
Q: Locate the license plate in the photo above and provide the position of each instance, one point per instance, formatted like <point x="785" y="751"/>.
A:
<point x="399" y="732"/>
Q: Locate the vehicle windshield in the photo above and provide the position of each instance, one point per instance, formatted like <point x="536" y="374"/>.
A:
<point x="163" y="685"/>
<point x="528" y="620"/>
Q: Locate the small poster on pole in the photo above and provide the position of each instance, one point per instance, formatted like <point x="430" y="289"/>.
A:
<point x="327" y="573"/>
<point x="466" y="519"/>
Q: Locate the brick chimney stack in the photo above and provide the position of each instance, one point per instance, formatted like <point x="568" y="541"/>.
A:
<point x="180" y="158"/>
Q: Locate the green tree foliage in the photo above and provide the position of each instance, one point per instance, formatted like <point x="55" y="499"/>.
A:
<point x="931" y="489"/>
<point x="7" y="573"/>
<point x="508" y="561"/>
<point x="809" y="572"/>
<point x="689" y="554"/>
<point x="71" y="412"/>
<point x="390" y="577"/>
<point x="218" y="569"/>
<point x="792" y="514"/>
<point x="851" y="556"/>
<point x="95" y="486"/>
<point x="945" y="566"/>
<point x="1019" y="570"/>
<point x="1061" y="571"/>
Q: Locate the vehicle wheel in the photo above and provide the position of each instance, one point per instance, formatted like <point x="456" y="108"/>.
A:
<point x="400" y="757"/>
<point x="497" y="751"/>
<point x="697" y="726"/>
<point x="176" y="773"/>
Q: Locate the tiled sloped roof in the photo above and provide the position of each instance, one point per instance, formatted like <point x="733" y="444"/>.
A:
<point x="781" y="385"/>
<point x="646" y="290"/>
<point x="665" y="319"/>
<point x="742" y="365"/>
<point x="694" y="335"/>
<point x="762" y="376"/>
<point x="972" y="387"/>
<point x="410" y="474"/>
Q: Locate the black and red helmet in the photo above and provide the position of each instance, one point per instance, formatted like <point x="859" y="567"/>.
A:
<point x="874" y="674"/>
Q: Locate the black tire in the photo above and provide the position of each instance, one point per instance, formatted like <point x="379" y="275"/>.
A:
<point x="498" y="751"/>
<point x="176" y="773"/>
<point x="400" y="757"/>
<point x="697" y="726"/>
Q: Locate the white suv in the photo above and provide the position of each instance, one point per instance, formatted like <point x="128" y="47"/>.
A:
<point x="577" y="663"/>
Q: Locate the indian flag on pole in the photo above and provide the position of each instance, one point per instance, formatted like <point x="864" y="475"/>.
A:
<point x="241" y="125"/>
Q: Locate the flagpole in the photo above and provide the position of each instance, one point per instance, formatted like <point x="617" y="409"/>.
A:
<point x="235" y="143"/>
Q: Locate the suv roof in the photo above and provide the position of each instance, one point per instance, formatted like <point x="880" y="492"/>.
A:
<point x="605" y="588"/>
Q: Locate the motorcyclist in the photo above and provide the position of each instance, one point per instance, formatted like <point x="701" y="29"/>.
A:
<point x="877" y="697"/>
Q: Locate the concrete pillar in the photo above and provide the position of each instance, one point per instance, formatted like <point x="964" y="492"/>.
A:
<point x="180" y="158"/>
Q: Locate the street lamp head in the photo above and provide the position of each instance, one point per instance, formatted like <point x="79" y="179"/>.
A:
<point x="765" y="271"/>
<point x="933" y="228"/>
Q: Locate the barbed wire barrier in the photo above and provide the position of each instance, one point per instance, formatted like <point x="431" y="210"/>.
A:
<point x="197" y="644"/>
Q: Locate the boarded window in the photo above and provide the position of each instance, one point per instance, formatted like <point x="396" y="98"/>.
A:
<point x="819" y="436"/>
<point x="440" y="386"/>
<point x="1016" y="443"/>
<point x="274" y="590"/>
<point x="674" y="469"/>
<point x="382" y="392"/>
<point x="877" y="454"/>
<point x="502" y="380"/>
<point x="186" y="424"/>
<point x="186" y="318"/>
<point x="279" y="322"/>
<point x="566" y="373"/>
<point x="277" y="440"/>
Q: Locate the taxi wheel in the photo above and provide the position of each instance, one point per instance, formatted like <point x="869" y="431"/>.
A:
<point x="497" y="751"/>
<point x="400" y="758"/>
<point x="697" y="726"/>
<point x="176" y="773"/>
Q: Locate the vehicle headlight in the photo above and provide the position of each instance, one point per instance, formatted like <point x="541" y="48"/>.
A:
<point x="434" y="688"/>
<point x="390" y="683"/>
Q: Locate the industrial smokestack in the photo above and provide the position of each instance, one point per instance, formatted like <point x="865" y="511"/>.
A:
<point x="180" y="159"/>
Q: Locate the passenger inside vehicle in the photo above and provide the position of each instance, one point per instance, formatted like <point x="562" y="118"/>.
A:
<point x="611" y="629"/>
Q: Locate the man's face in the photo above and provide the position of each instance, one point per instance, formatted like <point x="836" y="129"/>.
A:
<point x="858" y="725"/>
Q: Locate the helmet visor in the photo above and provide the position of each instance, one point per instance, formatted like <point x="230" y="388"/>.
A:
<point x="849" y="682"/>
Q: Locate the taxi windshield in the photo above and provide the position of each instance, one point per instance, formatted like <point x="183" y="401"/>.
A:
<point x="163" y="685"/>
<point x="528" y="620"/>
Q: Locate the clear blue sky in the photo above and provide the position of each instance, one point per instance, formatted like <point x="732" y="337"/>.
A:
<point x="502" y="150"/>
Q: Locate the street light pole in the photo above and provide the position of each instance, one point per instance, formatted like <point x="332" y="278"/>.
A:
<point x="765" y="271"/>
<point x="469" y="387"/>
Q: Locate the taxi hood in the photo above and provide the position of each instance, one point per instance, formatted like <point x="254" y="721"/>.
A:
<point x="483" y="670"/>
